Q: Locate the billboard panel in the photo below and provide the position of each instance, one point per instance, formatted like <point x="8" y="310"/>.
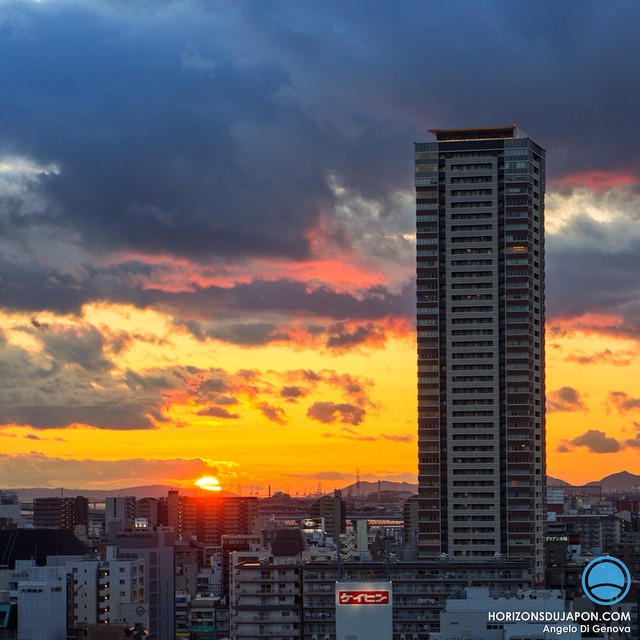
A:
<point x="364" y="611"/>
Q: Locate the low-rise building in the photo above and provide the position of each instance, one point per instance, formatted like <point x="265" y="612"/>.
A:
<point x="61" y="513"/>
<point x="479" y="613"/>
<point x="265" y="590"/>
<point x="42" y="604"/>
<point x="10" y="509"/>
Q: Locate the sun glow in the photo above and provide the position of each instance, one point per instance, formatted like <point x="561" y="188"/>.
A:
<point x="209" y="483"/>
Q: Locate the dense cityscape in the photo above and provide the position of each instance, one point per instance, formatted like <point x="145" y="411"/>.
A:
<point x="215" y="567"/>
<point x="482" y="551"/>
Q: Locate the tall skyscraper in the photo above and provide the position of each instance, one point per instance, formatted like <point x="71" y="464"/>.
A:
<point x="480" y="320"/>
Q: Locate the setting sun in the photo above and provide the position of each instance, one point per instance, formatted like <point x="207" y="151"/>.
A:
<point x="209" y="483"/>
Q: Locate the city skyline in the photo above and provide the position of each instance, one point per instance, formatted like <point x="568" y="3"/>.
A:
<point x="207" y="232"/>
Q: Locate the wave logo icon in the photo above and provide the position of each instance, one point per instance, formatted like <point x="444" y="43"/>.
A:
<point x="606" y="580"/>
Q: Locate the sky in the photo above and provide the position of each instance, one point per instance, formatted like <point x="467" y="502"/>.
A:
<point x="207" y="231"/>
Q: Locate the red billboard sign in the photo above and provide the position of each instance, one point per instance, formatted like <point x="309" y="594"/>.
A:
<point x="363" y="597"/>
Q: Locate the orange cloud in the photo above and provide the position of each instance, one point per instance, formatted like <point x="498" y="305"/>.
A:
<point x="91" y="473"/>
<point x="623" y="401"/>
<point x="565" y="399"/>
<point x="588" y="322"/>
<point x="620" y="359"/>
<point x="174" y="274"/>
<point x="596" y="180"/>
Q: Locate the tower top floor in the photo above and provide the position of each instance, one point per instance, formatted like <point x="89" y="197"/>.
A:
<point x="478" y="133"/>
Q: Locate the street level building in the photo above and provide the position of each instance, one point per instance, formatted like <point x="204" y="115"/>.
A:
<point x="42" y="606"/>
<point x="479" y="612"/>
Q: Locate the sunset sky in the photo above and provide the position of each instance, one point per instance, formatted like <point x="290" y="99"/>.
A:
<point x="207" y="231"/>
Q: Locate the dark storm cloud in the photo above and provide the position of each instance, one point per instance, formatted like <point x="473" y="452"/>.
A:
<point x="154" y="155"/>
<point x="210" y="130"/>
<point x="83" y="346"/>
<point x="229" y="131"/>
<point x="32" y="288"/>
<point x="100" y="415"/>
<point x="592" y="268"/>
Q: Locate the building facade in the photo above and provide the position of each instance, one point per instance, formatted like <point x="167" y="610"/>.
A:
<point x="60" y="513"/>
<point x="10" y="508"/>
<point x="108" y="591"/>
<point x="208" y="518"/>
<point x="156" y="549"/>
<point x="467" y="615"/>
<point x="332" y="511"/>
<point x="42" y="604"/>
<point x="480" y="322"/>
<point x="265" y="596"/>
<point x="420" y="590"/>
<point x="119" y="513"/>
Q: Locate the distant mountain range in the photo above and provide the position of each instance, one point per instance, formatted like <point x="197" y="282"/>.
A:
<point x="365" y="488"/>
<point x="146" y="491"/>
<point x="622" y="482"/>
<point x="619" y="483"/>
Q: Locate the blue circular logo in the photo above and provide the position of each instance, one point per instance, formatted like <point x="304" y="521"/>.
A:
<point x="606" y="580"/>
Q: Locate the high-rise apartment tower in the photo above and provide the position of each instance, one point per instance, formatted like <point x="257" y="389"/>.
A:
<point x="480" y="321"/>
